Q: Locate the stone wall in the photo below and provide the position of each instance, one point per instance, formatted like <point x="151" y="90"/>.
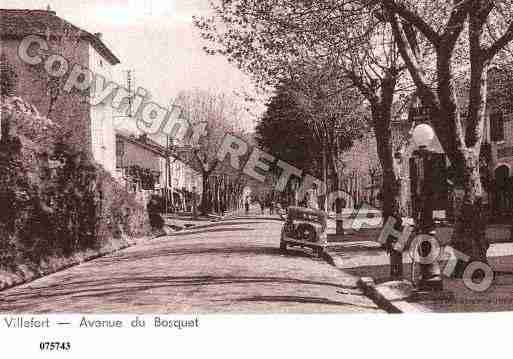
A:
<point x="71" y="111"/>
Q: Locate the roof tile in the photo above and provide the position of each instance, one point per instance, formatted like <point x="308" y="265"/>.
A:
<point x="23" y="22"/>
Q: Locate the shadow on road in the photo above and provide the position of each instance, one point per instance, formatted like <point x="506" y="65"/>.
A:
<point x="186" y="251"/>
<point x="202" y="230"/>
<point x="305" y="300"/>
<point x="123" y="289"/>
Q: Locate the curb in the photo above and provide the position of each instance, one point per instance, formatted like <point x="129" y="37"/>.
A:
<point x="216" y="223"/>
<point x="24" y="277"/>
<point x="389" y="300"/>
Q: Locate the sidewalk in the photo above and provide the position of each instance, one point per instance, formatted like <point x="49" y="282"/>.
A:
<point x="184" y="220"/>
<point x="361" y="256"/>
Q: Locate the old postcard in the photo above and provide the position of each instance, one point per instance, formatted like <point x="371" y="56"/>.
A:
<point x="161" y="161"/>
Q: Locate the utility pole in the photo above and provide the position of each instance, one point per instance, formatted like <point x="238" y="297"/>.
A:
<point x="167" y="176"/>
<point x="325" y="173"/>
<point x="130" y="92"/>
<point x="169" y="145"/>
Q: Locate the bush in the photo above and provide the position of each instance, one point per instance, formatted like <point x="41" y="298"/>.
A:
<point x="58" y="202"/>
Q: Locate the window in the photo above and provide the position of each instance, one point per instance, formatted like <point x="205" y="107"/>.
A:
<point x="496" y="127"/>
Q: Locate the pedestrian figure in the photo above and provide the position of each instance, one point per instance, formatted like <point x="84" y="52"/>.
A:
<point x="246" y="205"/>
<point x="278" y="208"/>
<point x="304" y="201"/>
<point x="311" y="198"/>
<point x="262" y="205"/>
<point x="267" y="203"/>
<point x="154" y="208"/>
<point x="223" y="208"/>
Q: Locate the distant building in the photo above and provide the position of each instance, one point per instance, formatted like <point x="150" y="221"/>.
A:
<point x="497" y="144"/>
<point x="141" y="152"/>
<point x="90" y="127"/>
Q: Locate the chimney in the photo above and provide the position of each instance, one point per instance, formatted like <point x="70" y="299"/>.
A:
<point x="49" y="10"/>
<point x="98" y="35"/>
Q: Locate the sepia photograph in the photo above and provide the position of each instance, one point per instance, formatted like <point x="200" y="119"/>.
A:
<point x="172" y="160"/>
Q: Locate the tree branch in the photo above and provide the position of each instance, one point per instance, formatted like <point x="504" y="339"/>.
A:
<point x="414" y="19"/>
<point x="455" y="23"/>
<point x="408" y="54"/>
<point x="500" y="43"/>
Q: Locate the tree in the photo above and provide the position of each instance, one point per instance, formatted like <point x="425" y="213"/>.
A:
<point x="349" y="40"/>
<point x="488" y="30"/>
<point x="335" y="113"/>
<point x="218" y="114"/>
<point x="284" y="131"/>
<point x="301" y="125"/>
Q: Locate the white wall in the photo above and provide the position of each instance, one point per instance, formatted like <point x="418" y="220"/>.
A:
<point x="102" y="127"/>
<point x="183" y="176"/>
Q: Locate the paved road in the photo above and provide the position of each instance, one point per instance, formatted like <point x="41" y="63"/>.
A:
<point x="230" y="267"/>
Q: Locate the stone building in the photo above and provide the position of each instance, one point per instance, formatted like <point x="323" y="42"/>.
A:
<point x="89" y="127"/>
<point x="180" y="180"/>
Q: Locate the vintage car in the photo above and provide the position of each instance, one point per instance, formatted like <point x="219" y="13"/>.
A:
<point x="305" y="227"/>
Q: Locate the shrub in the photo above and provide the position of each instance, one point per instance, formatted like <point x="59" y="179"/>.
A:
<point x="58" y="201"/>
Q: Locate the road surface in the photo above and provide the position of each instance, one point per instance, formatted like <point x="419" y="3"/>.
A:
<point x="233" y="266"/>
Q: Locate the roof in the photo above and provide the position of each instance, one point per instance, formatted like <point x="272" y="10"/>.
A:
<point x="150" y="145"/>
<point x="143" y="142"/>
<point x="17" y="23"/>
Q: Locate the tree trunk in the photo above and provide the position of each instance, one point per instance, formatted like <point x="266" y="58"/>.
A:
<point x="390" y="193"/>
<point x="470" y="227"/>
<point x="205" y="203"/>
<point x="339" y="202"/>
<point x="391" y="199"/>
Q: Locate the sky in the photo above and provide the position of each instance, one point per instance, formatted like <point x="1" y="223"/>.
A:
<point x="157" y="40"/>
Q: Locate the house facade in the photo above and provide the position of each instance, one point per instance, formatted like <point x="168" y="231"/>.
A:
<point x="498" y="139"/>
<point x="138" y="157"/>
<point x="88" y="127"/>
<point x="496" y="151"/>
<point x="137" y="154"/>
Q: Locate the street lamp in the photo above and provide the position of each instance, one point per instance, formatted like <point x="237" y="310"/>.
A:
<point x="423" y="135"/>
<point x="423" y="198"/>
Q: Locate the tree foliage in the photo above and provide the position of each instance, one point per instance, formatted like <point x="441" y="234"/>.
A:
<point x="217" y="115"/>
<point x="56" y="201"/>
<point x="466" y="37"/>
<point x="284" y="131"/>
<point x="300" y="123"/>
